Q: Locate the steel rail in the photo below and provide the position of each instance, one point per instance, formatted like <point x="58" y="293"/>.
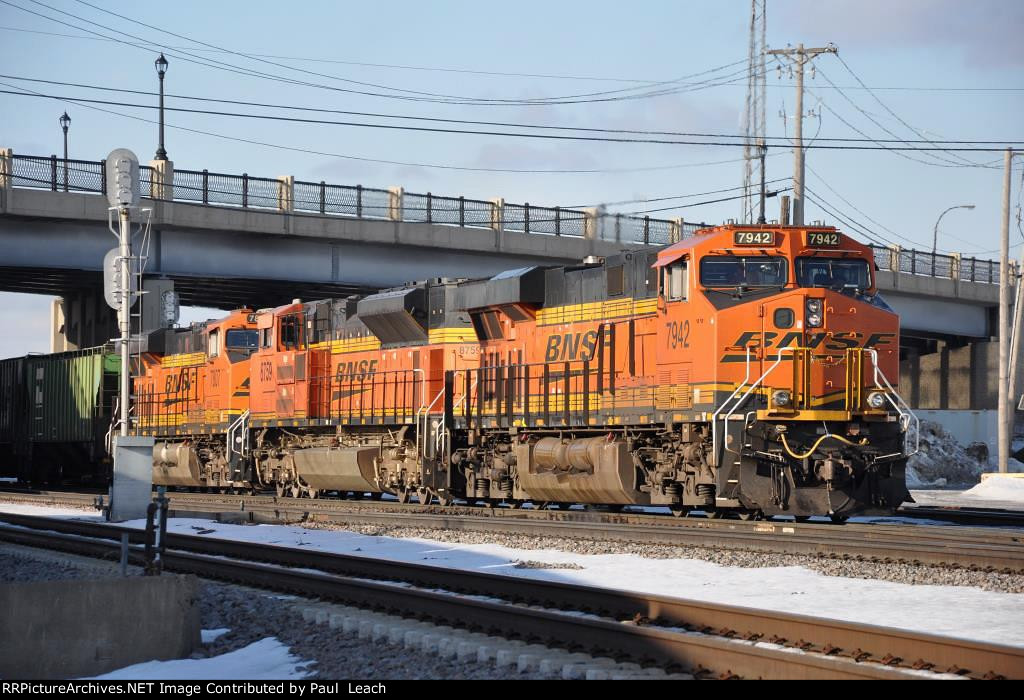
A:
<point x="716" y="637"/>
<point x="986" y="549"/>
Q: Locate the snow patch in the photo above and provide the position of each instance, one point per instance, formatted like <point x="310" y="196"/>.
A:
<point x="998" y="488"/>
<point x="265" y="660"/>
<point x="957" y="611"/>
<point x="210" y="635"/>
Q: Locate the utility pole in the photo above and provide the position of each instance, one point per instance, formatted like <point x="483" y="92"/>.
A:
<point x="1005" y="390"/>
<point x="800" y="56"/>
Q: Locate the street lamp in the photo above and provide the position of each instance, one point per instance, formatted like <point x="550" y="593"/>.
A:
<point x="65" y="122"/>
<point x="935" y="240"/>
<point x="161" y="69"/>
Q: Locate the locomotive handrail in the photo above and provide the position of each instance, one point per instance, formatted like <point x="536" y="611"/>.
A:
<point x="741" y="400"/>
<point x="714" y="416"/>
<point x="907" y="415"/>
<point x="421" y="435"/>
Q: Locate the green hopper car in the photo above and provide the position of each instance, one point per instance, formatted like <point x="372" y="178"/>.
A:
<point x="55" y="415"/>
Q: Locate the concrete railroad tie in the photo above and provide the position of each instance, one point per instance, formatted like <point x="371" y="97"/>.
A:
<point x="473" y="647"/>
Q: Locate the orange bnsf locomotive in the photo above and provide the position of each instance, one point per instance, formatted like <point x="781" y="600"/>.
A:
<point x="746" y="370"/>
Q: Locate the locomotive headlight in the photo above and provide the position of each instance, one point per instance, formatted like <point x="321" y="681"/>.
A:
<point x="781" y="397"/>
<point x="876" y="399"/>
<point x="813" y="313"/>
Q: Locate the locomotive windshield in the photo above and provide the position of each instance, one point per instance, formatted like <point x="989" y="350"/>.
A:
<point x="242" y="339"/>
<point x="833" y="273"/>
<point x="749" y="271"/>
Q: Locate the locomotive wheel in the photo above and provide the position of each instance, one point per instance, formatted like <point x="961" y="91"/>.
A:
<point x="514" y="505"/>
<point x="376" y="495"/>
<point x="424" y="496"/>
<point x="295" y="491"/>
<point x="678" y="510"/>
<point x="839" y="518"/>
<point x="279" y="489"/>
<point x="713" y="514"/>
<point x="445" y="499"/>
<point x="749" y="515"/>
<point x="404" y="495"/>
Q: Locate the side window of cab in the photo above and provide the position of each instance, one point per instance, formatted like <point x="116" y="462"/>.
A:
<point x="675" y="280"/>
<point x="213" y="347"/>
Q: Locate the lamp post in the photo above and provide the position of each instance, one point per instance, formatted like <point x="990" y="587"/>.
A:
<point x="935" y="241"/>
<point x="161" y="69"/>
<point x="65" y="122"/>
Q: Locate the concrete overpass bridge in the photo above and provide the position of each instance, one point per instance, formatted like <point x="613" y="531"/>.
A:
<point x="231" y="240"/>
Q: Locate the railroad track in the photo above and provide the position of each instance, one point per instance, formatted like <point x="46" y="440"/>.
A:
<point x="983" y="549"/>
<point x="711" y="640"/>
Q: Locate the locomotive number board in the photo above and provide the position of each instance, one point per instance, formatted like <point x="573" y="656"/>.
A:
<point x="754" y="238"/>
<point x="821" y="239"/>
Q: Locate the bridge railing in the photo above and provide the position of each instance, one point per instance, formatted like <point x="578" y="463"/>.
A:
<point x="355" y="201"/>
<point x="919" y="262"/>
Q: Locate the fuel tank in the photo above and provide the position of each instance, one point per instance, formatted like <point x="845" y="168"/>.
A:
<point x="175" y="464"/>
<point x="342" y="469"/>
<point x="587" y="470"/>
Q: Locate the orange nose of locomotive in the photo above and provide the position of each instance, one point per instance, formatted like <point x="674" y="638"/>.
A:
<point x="827" y="355"/>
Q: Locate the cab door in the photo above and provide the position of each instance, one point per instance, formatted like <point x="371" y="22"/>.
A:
<point x="262" y="384"/>
<point x="675" y="344"/>
<point x="290" y="366"/>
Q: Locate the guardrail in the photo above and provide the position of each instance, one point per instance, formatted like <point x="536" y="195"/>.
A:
<point x="355" y="201"/>
<point x="919" y="262"/>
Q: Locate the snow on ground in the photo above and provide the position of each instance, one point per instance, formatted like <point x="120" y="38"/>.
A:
<point x="998" y="488"/>
<point x="949" y="610"/>
<point x="209" y="636"/>
<point x="266" y="659"/>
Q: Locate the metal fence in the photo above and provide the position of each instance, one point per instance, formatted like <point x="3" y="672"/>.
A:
<point x="57" y="174"/>
<point x="919" y="262"/>
<point x="221" y="189"/>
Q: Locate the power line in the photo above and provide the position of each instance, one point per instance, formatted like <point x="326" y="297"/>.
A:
<point x="651" y="200"/>
<point x="963" y="161"/>
<point x="510" y="74"/>
<point x="857" y="209"/>
<point x="518" y="125"/>
<point x="310" y="151"/>
<point x="403" y="127"/>
<point x="413" y="95"/>
<point x="887" y="108"/>
<point x="697" y="204"/>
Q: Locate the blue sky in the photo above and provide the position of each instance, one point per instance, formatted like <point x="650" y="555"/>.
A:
<point x="917" y="44"/>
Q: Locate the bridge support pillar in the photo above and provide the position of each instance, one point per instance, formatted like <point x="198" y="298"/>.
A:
<point x="81" y="319"/>
<point x="162" y="184"/>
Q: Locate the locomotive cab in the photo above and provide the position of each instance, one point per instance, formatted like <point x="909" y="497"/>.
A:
<point x="801" y="396"/>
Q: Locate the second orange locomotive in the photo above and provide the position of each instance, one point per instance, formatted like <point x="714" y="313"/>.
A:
<point x="743" y="370"/>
